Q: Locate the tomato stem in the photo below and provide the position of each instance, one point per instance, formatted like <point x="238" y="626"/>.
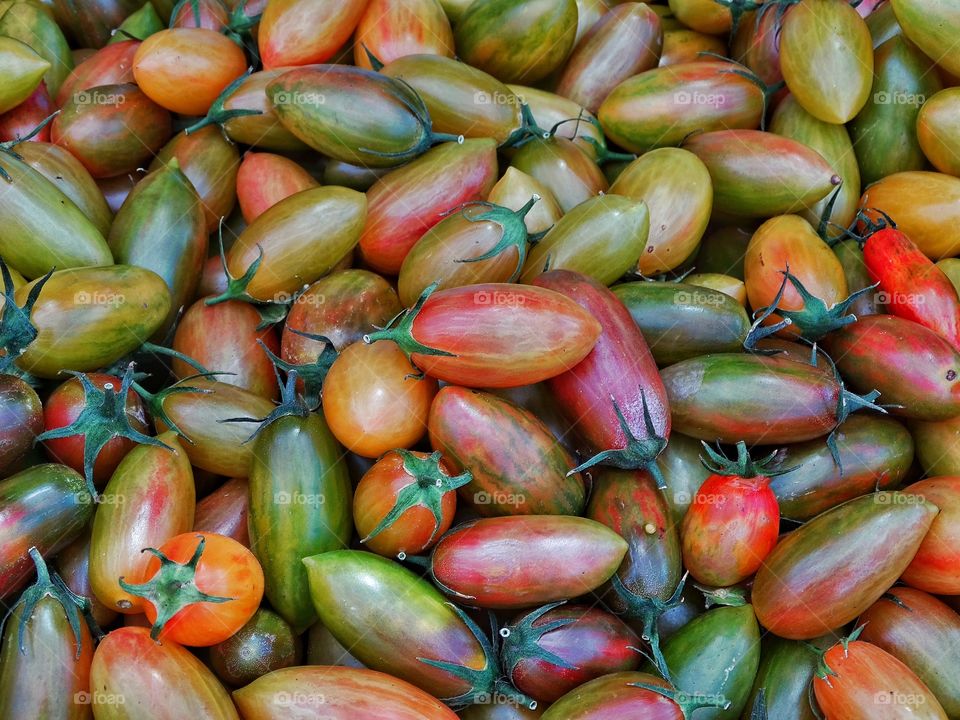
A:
<point x="744" y="466"/>
<point x="218" y="114"/>
<point x="291" y="404"/>
<point x="155" y="401"/>
<point x="16" y="329"/>
<point x="688" y="702"/>
<point x="400" y="329"/>
<point x="513" y="232"/>
<point x="312" y="374"/>
<point x="521" y="641"/>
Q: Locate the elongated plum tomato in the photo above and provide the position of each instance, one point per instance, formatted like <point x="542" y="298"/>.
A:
<point x="185" y="69"/>
<point x="178" y="587"/>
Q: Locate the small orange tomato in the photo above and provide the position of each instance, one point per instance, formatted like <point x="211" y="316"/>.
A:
<point x="373" y="401"/>
<point x="185" y="69"/>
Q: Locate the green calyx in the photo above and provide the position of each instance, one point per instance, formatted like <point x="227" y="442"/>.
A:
<point x="218" y="113"/>
<point x="513" y="231"/>
<point x="638" y="453"/>
<point x="606" y="155"/>
<point x="240" y="27"/>
<point x="291" y="404"/>
<point x="487" y="681"/>
<point x="723" y="597"/>
<point x="400" y="329"/>
<point x="528" y="130"/>
<point x="51" y="586"/>
<point x="688" y="702"/>
<point x="194" y="6"/>
<point x="738" y="8"/>
<point x="648" y="611"/>
<point x="521" y="642"/>
<point x="744" y="466"/>
<point x="376" y="63"/>
<point x="824" y="671"/>
<point x="173" y="588"/>
<point x="430" y="485"/>
<point x="312" y="374"/>
<point x="759" y="709"/>
<point x="814" y="320"/>
<point x="8" y="146"/>
<point x="155" y="401"/>
<point x="103" y="418"/>
<point x="16" y="329"/>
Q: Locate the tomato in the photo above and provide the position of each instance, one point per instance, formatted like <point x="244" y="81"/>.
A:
<point x="21" y="419"/>
<point x="132" y="671"/>
<point x="111" y="65"/>
<point x="937" y="131"/>
<point x="516" y="465"/>
<point x="828" y="571"/>
<point x="324" y="649"/>
<point x="33" y="25"/>
<point x="150" y="498"/>
<point x="390" y="29"/>
<point x="21" y="120"/>
<point x="209" y="14"/>
<point x="23" y="68"/>
<point x="936" y="446"/>
<point x="550" y="651"/>
<point x="405" y="203"/>
<point x="563" y="557"/>
<point x="681" y="46"/>
<point x="784" y="675"/>
<point x="111" y="129"/>
<point x="514" y="191"/>
<point x="932" y="567"/>
<point x="203" y="60"/>
<point x="266" y="643"/>
<point x="343" y="694"/>
<point x="224" y="338"/>
<point x="732" y="523"/>
<point x="225" y="510"/>
<point x="494" y="334"/>
<point x="619" y="695"/>
<point x="568" y="171"/>
<point x="44" y="506"/>
<point x="862" y="681"/>
<point x="683" y="474"/>
<point x="517" y="40"/>
<point x="265" y="179"/>
<point x="64" y="406"/>
<point x="405" y="502"/>
<point x="300" y="32"/>
<point x="625" y="42"/>
<point x="373" y="401"/>
<point x="550" y="111"/>
<point x="929" y="26"/>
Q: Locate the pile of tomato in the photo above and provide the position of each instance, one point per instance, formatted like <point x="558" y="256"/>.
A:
<point x="491" y="359"/>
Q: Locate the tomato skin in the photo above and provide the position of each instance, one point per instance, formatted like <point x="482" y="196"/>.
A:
<point x="828" y="571"/>
<point x="223" y="338"/>
<point x="300" y="32"/>
<point x="871" y="683"/>
<point x="350" y="589"/>
<point x="346" y="693"/>
<point x="24" y="70"/>
<point x="264" y="179"/>
<point x="212" y="16"/>
<point x="262" y="130"/>
<point x="929" y="26"/>
<point x="46" y="506"/>
<point x="407" y="202"/>
<point x="683" y="474"/>
<point x="392" y="29"/>
<point x="731" y="526"/>
<point x="150" y="498"/>
<point x="518" y="467"/>
<point x="913" y="368"/>
<point x="324" y="649"/>
<point x="73" y="566"/>
<point x="876" y="453"/>
<point x="65" y="404"/>
<point x="501" y="335"/>
<point x="615" y="696"/>
<point x="372" y="401"/>
<point x="516" y="188"/>
<point x="618" y="368"/>
<point x="563" y="557"/>
<point x="567" y="170"/>
<point x="933" y="568"/>
<point x="915" y="288"/>
<point x="299" y="506"/>
<point x="110" y="65"/>
<point x="203" y="60"/>
<point x="629" y="503"/>
<point x="21" y="120"/>
<point x="34" y="25"/>
<point x="785" y="671"/>
<point x="225" y="510"/>
<point x="595" y="643"/>
<point x="111" y="129"/>
<point x="549" y="109"/>
<point x="164" y="677"/>
<point x="21" y="419"/>
<point x="937" y="130"/>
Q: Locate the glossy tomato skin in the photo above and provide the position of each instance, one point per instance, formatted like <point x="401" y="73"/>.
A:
<point x="73" y="566"/>
<point x="618" y="370"/>
<point x="933" y="568"/>
<point x="45" y="506"/>
<point x="594" y="642"/>
<point x="20" y="122"/>
<point x="405" y="203"/>
<point x="390" y="29"/>
<point x="266" y="643"/>
<point x="501" y="335"/>
<point x="345" y="693"/>
<point x="65" y="404"/>
<point x="150" y="498"/>
<point x="616" y="696"/>
<point x="201" y="59"/>
<point x="824" y="574"/>
<point x="24" y="69"/>
<point x="871" y="683"/>
<point x="518" y="467"/>
<point x="373" y="401"/>
<point x="111" y="129"/>
<point x="350" y="589"/>
<point x="301" y="32"/>
<point x="262" y="129"/>
<point x="914" y="369"/>
<point x="413" y="532"/>
<point x="784" y="674"/>
<point x="876" y="453"/>
<point x="21" y="419"/>
<point x="929" y="27"/>
<point x="563" y="557"/>
<point x="629" y="503"/>
<point x="111" y="65"/>
<point x="164" y="676"/>
<point x="299" y="506"/>
<point x="264" y="179"/>
<point x="936" y="130"/>
<point x="225" y="511"/>
<point x="223" y="338"/>
<point x="568" y="171"/>
<point x="914" y="288"/>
